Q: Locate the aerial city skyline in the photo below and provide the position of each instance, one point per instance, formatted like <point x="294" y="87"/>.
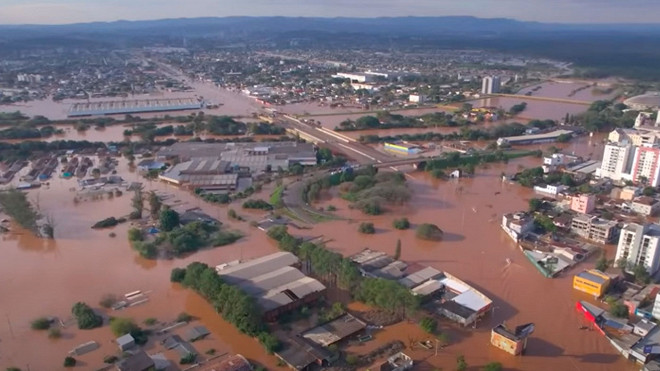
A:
<point x="561" y="11"/>
<point x="387" y="186"/>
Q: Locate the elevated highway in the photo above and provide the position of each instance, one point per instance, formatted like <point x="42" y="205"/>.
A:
<point x="543" y="99"/>
<point x="334" y="140"/>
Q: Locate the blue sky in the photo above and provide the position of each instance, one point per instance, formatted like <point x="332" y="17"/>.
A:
<point x="575" y="11"/>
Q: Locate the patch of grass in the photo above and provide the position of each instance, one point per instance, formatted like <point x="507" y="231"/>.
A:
<point x="54" y="333"/>
<point x="150" y="321"/>
<point x="276" y="197"/>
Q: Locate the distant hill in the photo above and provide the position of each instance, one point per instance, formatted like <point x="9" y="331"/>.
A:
<point x="395" y="26"/>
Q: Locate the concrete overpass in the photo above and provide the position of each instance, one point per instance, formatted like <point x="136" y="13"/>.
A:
<point x="544" y="99"/>
<point x="335" y="141"/>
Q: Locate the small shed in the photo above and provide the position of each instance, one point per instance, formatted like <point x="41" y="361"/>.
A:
<point x="125" y="342"/>
<point x="196" y="333"/>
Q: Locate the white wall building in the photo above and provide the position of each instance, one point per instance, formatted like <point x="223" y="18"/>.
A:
<point x="417" y="98"/>
<point x="617" y="161"/>
<point x="639" y="244"/>
<point x="656" y="307"/>
<point x="490" y="85"/>
<point x="355" y="77"/>
<point x="517" y="225"/>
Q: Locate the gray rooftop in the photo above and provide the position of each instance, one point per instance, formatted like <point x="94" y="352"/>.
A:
<point x="271" y="280"/>
<point x="335" y="330"/>
<point x="125" y="339"/>
<point x="419" y="277"/>
<point x="591" y="277"/>
<point x="256" y="267"/>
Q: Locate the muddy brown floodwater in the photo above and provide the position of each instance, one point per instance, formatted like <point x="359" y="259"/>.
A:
<point x="584" y="91"/>
<point x="44" y="278"/>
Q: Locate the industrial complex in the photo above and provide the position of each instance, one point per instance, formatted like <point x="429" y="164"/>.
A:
<point x="221" y="166"/>
<point x="448" y="295"/>
<point x="274" y="281"/>
<point x="133" y="106"/>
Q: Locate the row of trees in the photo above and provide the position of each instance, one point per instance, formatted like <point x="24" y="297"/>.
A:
<point x="332" y="268"/>
<point x="17" y="206"/>
<point x="235" y="306"/>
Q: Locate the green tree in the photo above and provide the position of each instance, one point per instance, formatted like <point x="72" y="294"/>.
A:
<point x="41" y="323"/>
<point x="602" y="264"/>
<point x="397" y="250"/>
<point x="137" y="202"/>
<point x="641" y="274"/>
<point x="401" y="224"/>
<point x="493" y="366"/>
<point x="535" y="204"/>
<point x="86" y="317"/>
<point x="296" y="169"/>
<point x="69" y="362"/>
<point x="367" y="228"/>
<point x="428" y="324"/>
<point x="430" y="232"/>
<point x="622" y="263"/>
<point x="154" y="204"/>
<point x="649" y="191"/>
<point x="134" y="234"/>
<point x="618" y="309"/>
<point x="461" y="365"/>
<point x="169" y="219"/>
<point x="122" y="326"/>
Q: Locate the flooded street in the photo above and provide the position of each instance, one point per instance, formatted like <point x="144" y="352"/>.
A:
<point x="46" y="277"/>
<point x="42" y="277"/>
<point x="475" y="249"/>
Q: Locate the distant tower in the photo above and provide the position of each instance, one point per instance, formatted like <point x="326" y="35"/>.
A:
<point x="495" y="88"/>
<point x="490" y="85"/>
<point x="486" y="85"/>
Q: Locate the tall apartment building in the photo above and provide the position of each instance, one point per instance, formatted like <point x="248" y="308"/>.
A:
<point x="640" y="244"/>
<point x="646" y="165"/>
<point x="490" y="85"/>
<point x="617" y="161"/>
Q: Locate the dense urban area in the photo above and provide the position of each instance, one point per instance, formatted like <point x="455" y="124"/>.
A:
<point x="243" y="201"/>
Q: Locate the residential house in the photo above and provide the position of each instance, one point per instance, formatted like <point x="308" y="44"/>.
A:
<point x="517" y="225"/>
<point x="593" y="228"/>
<point x="645" y="205"/>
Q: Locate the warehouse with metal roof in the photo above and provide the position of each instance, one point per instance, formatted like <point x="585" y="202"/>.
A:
<point x="274" y="282"/>
<point x="133" y="106"/>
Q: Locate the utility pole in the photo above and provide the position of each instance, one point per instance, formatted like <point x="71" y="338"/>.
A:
<point x="11" y="330"/>
<point x="437" y="343"/>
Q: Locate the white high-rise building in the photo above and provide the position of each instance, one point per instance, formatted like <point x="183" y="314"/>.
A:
<point x="490" y="85"/>
<point x="657" y="118"/>
<point x="640" y="244"/>
<point x="617" y="161"/>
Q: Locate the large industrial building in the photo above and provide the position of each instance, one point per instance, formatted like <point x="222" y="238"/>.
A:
<point x="274" y="282"/>
<point x="208" y="174"/>
<point x="256" y="157"/>
<point x="221" y="167"/>
<point x="133" y="106"/>
<point x="451" y="297"/>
